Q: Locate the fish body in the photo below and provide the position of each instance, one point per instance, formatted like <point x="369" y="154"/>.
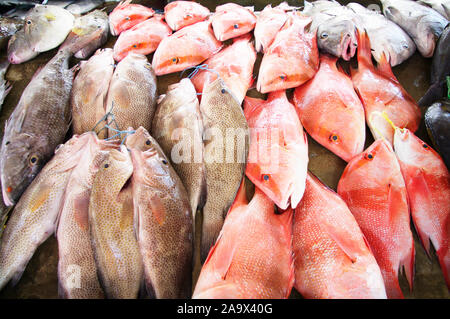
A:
<point x="35" y="216"/>
<point x="437" y="121"/>
<point x="422" y="23"/>
<point x="278" y="156"/>
<point x="226" y="149"/>
<point x="234" y="64"/>
<point x="291" y="59"/>
<point x="143" y="38"/>
<point x="126" y="15"/>
<point x="330" y="110"/>
<point x="163" y="222"/>
<point x="179" y="14"/>
<point x="81" y="7"/>
<point x="380" y="91"/>
<point x="441" y="6"/>
<point x="8" y="27"/>
<point x="185" y="48"/>
<point x="332" y="257"/>
<point x="75" y="252"/>
<point x="385" y="36"/>
<point x="111" y="226"/>
<point x="232" y="20"/>
<point x="252" y="258"/>
<point x="45" y="28"/>
<point x="89" y="91"/>
<point x="372" y="186"/>
<point x="178" y="128"/>
<point x="132" y="93"/>
<point x="428" y="184"/>
<point x="5" y="87"/>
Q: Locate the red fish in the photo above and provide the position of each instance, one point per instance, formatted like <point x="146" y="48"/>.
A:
<point x="278" y="155"/>
<point x="291" y="59"/>
<point x="380" y="91"/>
<point x="252" y="257"/>
<point x="330" y="110"/>
<point x="126" y="15"/>
<point x="232" y="20"/>
<point x="234" y="65"/>
<point x="143" y="38"/>
<point x="180" y="14"/>
<point x="332" y="257"/>
<point x="373" y="188"/>
<point x="428" y="184"/>
<point x="185" y="48"/>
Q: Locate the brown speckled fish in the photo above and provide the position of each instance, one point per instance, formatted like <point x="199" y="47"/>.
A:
<point x="77" y="271"/>
<point x="178" y="128"/>
<point x="226" y="149"/>
<point x="89" y="91"/>
<point x="132" y="93"/>
<point x="163" y="220"/>
<point x="35" y="215"/>
<point x="116" y="250"/>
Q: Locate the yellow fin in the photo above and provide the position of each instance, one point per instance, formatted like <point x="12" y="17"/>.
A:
<point x="40" y="198"/>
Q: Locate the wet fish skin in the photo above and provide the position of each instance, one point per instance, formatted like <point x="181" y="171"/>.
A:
<point x="372" y="185"/>
<point x="422" y="23"/>
<point x="332" y="257"/>
<point x="178" y="126"/>
<point x="331" y="111"/>
<point x="231" y="20"/>
<point x="428" y="184"/>
<point x="111" y="225"/>
<point x="35" y="216"/>
<point x="89" y="91"/>
<point x="221" y="112"/>
<point x="441" y="6"/>
<point x="8" y="27"/>
<point x="385" y="36"/>
<point x="179" y="14"/>
<point x="83" y="6"/>
<point x="132" y="93"/>
<point x="126" y="15"/>
<point x="252" y="258"/>
<point x="163" y="222"/>
<point x="437" y="121"/>
<point x="5" y="86"/>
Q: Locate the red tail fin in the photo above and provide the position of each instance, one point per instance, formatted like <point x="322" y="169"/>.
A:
<point x="364" y="50"/>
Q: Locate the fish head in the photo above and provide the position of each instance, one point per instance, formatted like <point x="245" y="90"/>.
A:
<point x="19" y="49"/>
<point x="117" y="166"/>
<point x="140" y="140"/>
<point x="338" y="37"/>
<point x="127" y="15"/>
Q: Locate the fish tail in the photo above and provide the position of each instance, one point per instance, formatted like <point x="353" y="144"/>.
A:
<point x="444" y="260"/>
<point x="364" y="51"/>
<point x="434" y="92"/>
<point x="408" y="265"/>
<point x="392" y="285"/>
<point x="210" y="232"/>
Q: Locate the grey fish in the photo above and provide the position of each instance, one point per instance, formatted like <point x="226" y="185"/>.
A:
<point x="441" y="6"/>
<point x="38" y="124"/>
<point x="423" y="24"/>
<point x="5" y="87"/>
<point x="225" y="156"/>
<point x="440" y="69"/>
<point x="8" y="27"/>
<point x="437" y="121"/>
<point x="385" y="36"/>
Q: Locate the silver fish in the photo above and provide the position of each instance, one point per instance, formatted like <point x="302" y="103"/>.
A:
<point x="5" y="87"/>
<point x="441" y="6"/>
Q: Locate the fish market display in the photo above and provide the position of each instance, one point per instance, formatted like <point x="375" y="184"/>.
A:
<point x="428" y="184"/>
<point x="440" y="70"/>
<point x="8" y="27"/>
<point x="5" y="87"/>
<point x="179" y="14"/>
<point x="226" y="150"/>
<point x="291" y="59"/>
<point x="178" y="128"/>
<point x="422" y="23"/>
<point x="126" y="15"/>
<point x="252" y="257"/>
<point x="132" y="94"/>
<point x="163" y="219"/>
<point x="74" y="241"/>
<point x="372" y="185"/>
<point x="385" y="36"/>
<point x="94" y="26"/>
<point x="437" y="121"/>
<point x="45" y="28"/>
<point x="278" y="156"/>
<point x="143" y="38"/>
<point x="331" y="111"/>
<point x="185" y="48"/>
<point x="232" y="20"/>
<point x="89" y="91"/>
<point x="111" y="225"/>
<point x="381" y="93"/>
<point x="332" y="258"/>
<point x="234" y="65"/>
<point x="441" y="6"/>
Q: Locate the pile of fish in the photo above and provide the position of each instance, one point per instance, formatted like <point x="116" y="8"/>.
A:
<point x="123" y="193"/>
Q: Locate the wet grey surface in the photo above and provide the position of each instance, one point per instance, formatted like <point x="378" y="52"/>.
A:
<point x="40" y="277"/>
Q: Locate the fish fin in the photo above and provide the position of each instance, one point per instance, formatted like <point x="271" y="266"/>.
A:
<point x="156" y="206"/>
<point x="384" y="66"/>
<point x="250" y="105"/>
<point x="203" y="192"/>
<point x="408" y="266"/>
<point x="224" y="290"/>
<point x="364" y="49"/>
<point x="222" y="264"/>
<point x="41" y="197"/>
<point x="444" y="260"/>
<point x="434" y="92"/>
<point x="241" y="197"/>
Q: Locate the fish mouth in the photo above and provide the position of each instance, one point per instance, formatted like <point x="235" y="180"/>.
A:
<point x="348" y="47"/>
<point x="13" y="59"/>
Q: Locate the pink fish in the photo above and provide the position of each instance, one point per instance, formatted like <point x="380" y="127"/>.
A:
<point x="232" y="20"/>
<point x="179" y="14"/>
<point x="126" y="15"/>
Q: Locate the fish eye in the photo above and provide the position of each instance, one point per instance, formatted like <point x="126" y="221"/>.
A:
<point x="106" y="165"/>
<point x="369" y="156"/>
<point x="148" y="142"/>
<point x="134" y="46"/>
<point x="333" y="138"/>
<point x="164" y="161"/>
<point x="283" y="77"/>
<point x="236" y="26"/>
<point x="175" y="60"/>
<point x="7" y="143"/>
<point x="33" y="160"/>
<point x="266" y="177"/>
<point x="425" y="146"/>
<point x="127" y="18"/>
<point x="223" y="91"/>
<point x="324" y="35"/>
<point x="28" y="21"/>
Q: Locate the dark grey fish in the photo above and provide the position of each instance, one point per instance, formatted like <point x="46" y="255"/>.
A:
<point x="437" y="121"/>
